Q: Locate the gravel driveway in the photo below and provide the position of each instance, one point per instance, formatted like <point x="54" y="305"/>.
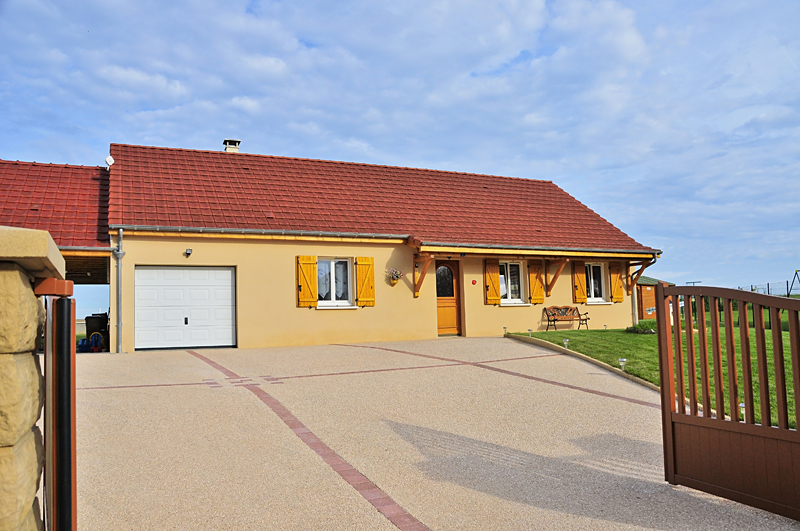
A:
<point x="455" y="433"/>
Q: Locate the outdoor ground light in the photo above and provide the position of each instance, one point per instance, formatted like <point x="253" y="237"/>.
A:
<point x="505" y="330"/>
<point x="605" y="326"/>
<point x="530" y="332"/>
<point x="622" y="363"/>
<point x="741" y="408"/>
<point x="566" y="343"/>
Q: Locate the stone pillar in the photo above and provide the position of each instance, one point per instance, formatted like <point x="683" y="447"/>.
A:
<point x="24" y="254"/>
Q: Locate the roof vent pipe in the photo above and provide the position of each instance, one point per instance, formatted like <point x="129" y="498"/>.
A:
<point x="231" y="145"/>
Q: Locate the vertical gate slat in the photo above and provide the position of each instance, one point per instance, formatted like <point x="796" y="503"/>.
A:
<point x="761" y="359"/>
<point x="702" y="346"/>
<point x="794" y="346"/>
<point x="730" y="351"/>
<point x="719" y="392"/>
<point x="780" y="368"/>
<point x="747" y="363"/>
<point x="687" y="311"/>
<point x="680" y="392"/>
<point x="665" y="364"/>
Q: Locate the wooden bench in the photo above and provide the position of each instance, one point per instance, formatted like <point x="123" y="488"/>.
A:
<point x="557" y="314"/>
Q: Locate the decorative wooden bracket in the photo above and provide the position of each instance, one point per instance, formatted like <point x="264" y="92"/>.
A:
<point x="421" y="264"/>
<point x="634" y="278"/>
<point x="550" y="283"/>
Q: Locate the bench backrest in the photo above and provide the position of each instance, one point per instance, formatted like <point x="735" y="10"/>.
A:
<point x="562" y="311"/>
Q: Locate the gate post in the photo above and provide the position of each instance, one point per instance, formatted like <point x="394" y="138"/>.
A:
<point x="666" y="368"/>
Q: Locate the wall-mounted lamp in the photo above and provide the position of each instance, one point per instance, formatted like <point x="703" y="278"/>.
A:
<point x="188" y="253"/>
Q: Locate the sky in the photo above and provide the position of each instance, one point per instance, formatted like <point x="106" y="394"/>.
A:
<point x="678" y="121"/>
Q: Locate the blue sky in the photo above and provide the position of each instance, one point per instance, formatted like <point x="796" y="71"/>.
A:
<point x="678" y="121"/>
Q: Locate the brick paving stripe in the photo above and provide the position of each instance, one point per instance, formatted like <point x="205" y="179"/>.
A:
<point x="368" y="490"/>
<point x="482" y="365"/>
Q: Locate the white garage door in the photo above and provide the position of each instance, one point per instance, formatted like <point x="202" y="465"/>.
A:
<point x="184" y="307"/>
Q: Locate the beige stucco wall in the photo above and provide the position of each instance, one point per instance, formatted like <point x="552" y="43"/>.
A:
<point x="266" y="287"/>
<point x="486" y="320"/>
<point x="266" y="293"/>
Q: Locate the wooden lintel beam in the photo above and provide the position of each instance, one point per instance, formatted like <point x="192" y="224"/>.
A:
<point x="421" y="265"/>
<point x="550" y="283"/>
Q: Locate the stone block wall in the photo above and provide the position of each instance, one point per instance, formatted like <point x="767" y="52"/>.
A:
<point x="21" y="400"/>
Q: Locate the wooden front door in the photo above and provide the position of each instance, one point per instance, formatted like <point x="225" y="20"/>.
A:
<point x="447" y="300"/>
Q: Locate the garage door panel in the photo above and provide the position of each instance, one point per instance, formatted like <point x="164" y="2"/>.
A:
<point x="146" y="276"/>
<point x="199" y="295"/>
<point x="200" y="316"/>
<point x="199" y="274"/>
<point x="146" y="295"/>
<point x="184" y="307"/>
<point x="172" y="274"/>
<point x="145" y="316"/>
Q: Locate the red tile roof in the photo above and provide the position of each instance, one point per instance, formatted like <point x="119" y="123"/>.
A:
<point x="69" y="201"/>
<point x="167" y="187"/>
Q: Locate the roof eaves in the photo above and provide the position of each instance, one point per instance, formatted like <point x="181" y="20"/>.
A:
<point x="276" y="232"/>
<point x="542" y="248"/>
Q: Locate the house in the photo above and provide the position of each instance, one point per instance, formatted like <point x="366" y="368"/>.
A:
<point x="646" y="297"/>
<point x="221" y="248"/>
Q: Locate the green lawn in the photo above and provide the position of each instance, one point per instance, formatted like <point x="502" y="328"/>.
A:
<point x="641" y="351"/>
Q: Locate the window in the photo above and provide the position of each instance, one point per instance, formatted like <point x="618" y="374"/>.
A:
<point x="333" y="282"/>
<point x="511" y="283"/>
<point x="595" y="283"/>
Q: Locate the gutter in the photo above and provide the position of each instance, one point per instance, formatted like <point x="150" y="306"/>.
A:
<point x="85" y="248"/>
<point x="265" y="232"/>
<point x="324" y="234"/>
<point x="653" y="252"/>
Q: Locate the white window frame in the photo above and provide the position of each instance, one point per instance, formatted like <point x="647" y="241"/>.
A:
<point x="333" y="303"/>
<point x="603" y="284"/>
<point x="510" y="301"/>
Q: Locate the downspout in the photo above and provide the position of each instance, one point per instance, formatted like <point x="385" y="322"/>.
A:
<point x="118" y="254"/>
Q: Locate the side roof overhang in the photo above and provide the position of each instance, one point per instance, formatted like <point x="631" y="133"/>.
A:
<point x="69" y="202"/>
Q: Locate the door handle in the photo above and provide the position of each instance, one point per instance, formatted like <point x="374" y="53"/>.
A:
<point x="186" y="320"/>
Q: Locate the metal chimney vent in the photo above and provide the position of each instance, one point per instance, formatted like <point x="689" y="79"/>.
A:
<point x="231" y="145"/>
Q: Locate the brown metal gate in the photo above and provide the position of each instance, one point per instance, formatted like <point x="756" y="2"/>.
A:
<point x="730" y="421"/>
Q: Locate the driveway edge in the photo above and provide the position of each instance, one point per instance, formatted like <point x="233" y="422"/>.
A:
<point x="551" y="346"/>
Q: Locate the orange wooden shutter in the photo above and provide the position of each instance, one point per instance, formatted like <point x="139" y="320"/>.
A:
<point x="578" y="282"/>
<point x="306" y="281"/>
<point x="617" y="290"/>
<point x="365" y="281"/>
<point x="491" y="278"/>
<point x="536" y="282"/>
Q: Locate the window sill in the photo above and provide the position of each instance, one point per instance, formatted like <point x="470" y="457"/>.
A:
<point x="336" y="307"/>
<point x="599" y="303"/>
<point x="512" y="304"/>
